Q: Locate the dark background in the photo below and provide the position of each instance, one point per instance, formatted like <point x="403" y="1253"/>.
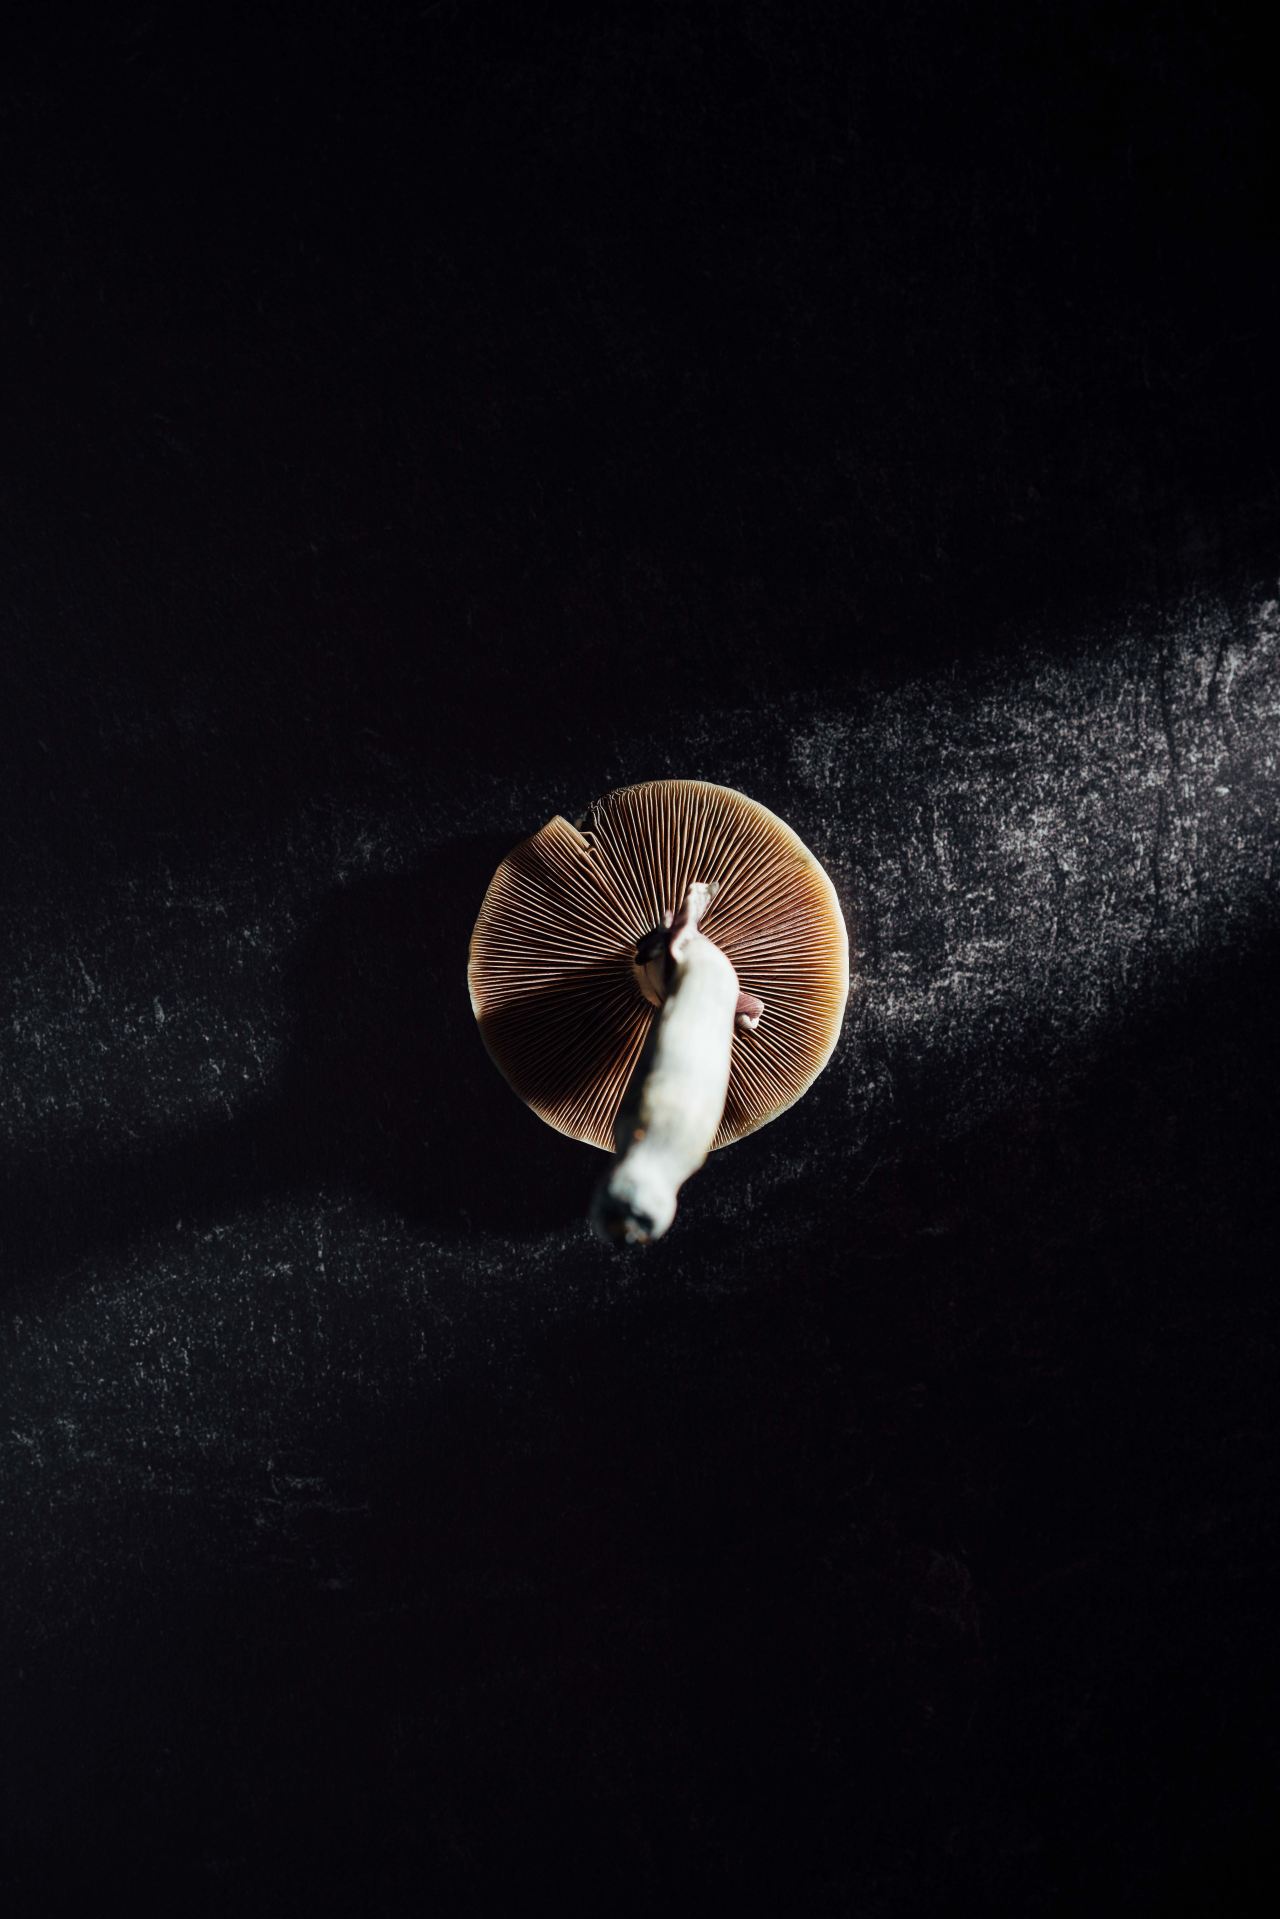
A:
<point x="416" y="421"/>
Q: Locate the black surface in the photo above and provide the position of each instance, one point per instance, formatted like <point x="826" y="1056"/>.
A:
<point x="419" y="420"/>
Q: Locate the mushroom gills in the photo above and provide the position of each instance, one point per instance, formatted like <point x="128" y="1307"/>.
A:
<point x="673" y="1105"/>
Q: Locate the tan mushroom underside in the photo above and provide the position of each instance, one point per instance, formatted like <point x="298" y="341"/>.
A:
<point x="550" y="971"/>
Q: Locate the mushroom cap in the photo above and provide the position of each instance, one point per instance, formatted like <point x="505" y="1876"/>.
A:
<point x="551" y="974"/>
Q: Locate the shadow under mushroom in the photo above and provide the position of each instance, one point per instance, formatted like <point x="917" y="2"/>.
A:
<point x="385" y="1087"/>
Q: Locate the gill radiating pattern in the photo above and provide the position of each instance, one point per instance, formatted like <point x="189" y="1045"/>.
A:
<point x="551" y="972"/>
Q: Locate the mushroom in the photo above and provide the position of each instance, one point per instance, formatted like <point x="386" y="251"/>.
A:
<point x="659" y="981"/>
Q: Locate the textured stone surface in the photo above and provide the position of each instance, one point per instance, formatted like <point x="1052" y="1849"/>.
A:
<point x="512" y="409"/>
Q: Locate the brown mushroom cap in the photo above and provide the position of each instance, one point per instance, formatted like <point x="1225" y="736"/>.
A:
<point x="551" y="971"/>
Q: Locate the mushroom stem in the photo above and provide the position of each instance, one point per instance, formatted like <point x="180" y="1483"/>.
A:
<point x="672" y="1108"/>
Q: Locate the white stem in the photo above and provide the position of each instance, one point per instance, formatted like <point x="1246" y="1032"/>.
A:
<point x="675" y="1102"/>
